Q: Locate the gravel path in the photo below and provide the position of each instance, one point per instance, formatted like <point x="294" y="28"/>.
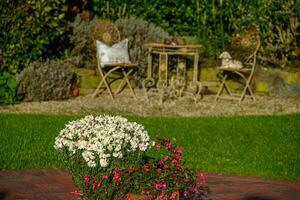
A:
<point x="185" y="106"/>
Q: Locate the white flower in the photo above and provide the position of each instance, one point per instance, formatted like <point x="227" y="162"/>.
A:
<point x="103" y="162"/>
<point x="102" y="138"/>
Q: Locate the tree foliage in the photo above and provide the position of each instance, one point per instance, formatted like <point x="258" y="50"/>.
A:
<point x="37" y="29"/>
<point x="28" y="30"/>
<point x="214" y="22"/>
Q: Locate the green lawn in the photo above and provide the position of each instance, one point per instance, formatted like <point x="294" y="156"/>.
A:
<point x="264" y="146"/>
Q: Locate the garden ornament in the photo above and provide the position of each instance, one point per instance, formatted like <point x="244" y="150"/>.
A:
<point x="228" y="62"/>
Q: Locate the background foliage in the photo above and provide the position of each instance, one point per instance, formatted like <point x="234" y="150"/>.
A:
<point x="31" y="30"/>
<point x="38" y="29"/>
<point x="28" y="30"/>
<point x="214" y="21"/>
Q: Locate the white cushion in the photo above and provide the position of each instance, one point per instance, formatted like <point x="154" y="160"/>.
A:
<point x="116" y="54"/>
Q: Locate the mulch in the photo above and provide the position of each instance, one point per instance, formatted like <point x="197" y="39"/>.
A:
<point x="56" y="184"/>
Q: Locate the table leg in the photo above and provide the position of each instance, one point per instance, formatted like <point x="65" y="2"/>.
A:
<point x="162" y="84"/>
<point x="163" y="67"/>
<point x="149" y="69"/>
<point x="196" y="60"/>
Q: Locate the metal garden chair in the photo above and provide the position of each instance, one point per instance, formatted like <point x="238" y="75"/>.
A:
<point x="247" y="45"/>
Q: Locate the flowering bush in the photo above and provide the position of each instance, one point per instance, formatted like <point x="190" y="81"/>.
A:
<point x="107" y="159"/>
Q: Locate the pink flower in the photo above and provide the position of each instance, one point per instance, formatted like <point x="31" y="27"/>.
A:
<point x="149" y="196"/>
<point x="160" y="185"/>
<point x="173" y="196"/>
<point x="117" y="176"/>
<point x="161" y="162"/>
<point x="186" y="194"/>
<point x="146" y="168"/>
<point x="166" y="158"/>
<point x="163" y="196"/>
<point x="178" y="150"/>
<point x="174" y="161"/>
<point x="105" y="177"/>
<point x="196" y="190"/>
<point x="75" y="192"/>
<point x="86" y="180"/>
<point x="159" y="170"/>
<point x="178" y="157"/>
<point x="94" y="186"/>
<point x="168" y="145"/>
<point x="203" y="178"/>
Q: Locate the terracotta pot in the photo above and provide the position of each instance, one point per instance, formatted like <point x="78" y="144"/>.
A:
<point x="74" y="91"/>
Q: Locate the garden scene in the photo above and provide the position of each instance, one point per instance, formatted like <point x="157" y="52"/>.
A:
<point x="138" y="100"/>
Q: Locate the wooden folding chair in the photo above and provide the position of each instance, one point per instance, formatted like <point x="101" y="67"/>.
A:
<point x="111" y="71"/>
<point x="249" y="41"/>
<point x="106" y="71"/>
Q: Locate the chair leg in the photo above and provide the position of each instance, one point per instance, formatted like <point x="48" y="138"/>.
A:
<point x="247" y="88"/>
<point x="126" y="77"/>
<point x="125" y="81"/>
<point x="222" y="87"/>
<point x="121" y="85"/>
<point x="250" y="90"/>
<point x="109" y="90"/>
<point x="104" y="80"/>
<point x="97" y="89"/>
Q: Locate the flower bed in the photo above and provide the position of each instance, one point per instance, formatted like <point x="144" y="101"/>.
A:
<point x="106" y="157"/>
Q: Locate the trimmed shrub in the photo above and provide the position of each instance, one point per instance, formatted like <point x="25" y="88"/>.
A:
<point x="49" y="80"/>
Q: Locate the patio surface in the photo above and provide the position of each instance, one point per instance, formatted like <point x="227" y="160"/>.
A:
<point x="56" y="184"/>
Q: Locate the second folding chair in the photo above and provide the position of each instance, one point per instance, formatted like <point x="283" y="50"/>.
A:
<point x="248" y="43"/>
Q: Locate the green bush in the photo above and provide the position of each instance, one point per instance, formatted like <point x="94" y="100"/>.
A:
<point x="8" y="88"/>
<point x="29" y="29"/>
<point x="49" y="80"/>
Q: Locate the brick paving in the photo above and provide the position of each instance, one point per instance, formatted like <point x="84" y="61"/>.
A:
<point x="56" y="184"/>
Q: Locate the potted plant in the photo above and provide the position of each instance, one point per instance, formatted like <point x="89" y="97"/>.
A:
<point x="107" y="159"/>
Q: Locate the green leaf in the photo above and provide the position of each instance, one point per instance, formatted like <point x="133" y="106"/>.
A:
<point x="47" y="8"/>
<point x="12" y="83"/>
<point x="2" y="81"/>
